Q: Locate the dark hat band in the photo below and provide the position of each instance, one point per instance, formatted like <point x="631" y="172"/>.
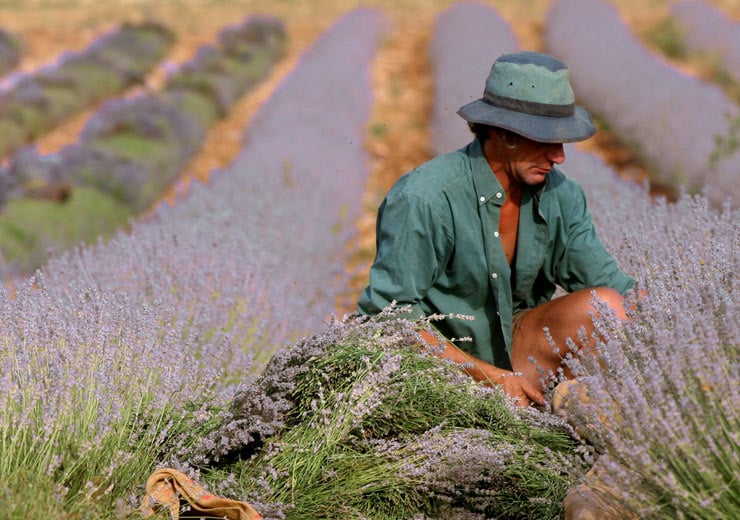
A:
<point x="530" y="107"/>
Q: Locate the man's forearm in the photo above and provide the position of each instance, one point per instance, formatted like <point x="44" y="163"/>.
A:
<point x="474" y="367"/>
<point x="512" y="383"/>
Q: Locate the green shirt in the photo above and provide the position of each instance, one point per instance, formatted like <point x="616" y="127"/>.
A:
<point x="438" y="250"/>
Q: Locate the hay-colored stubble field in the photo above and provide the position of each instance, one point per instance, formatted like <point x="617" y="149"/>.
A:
<point x="397" y="137"/>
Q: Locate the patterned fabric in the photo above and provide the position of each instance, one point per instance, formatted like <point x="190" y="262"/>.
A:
<point x="172" y="490"/>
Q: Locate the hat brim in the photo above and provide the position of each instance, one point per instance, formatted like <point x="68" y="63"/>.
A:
<point x="543" y="129"/>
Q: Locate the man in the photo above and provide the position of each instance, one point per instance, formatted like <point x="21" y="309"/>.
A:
<point x="489" y="231"/>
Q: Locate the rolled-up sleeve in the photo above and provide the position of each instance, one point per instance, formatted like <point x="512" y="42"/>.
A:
<point x="586" y="263"/>
<point x="412" y="241"/>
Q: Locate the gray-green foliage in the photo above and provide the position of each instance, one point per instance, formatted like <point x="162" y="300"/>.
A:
<point x="668" y="36"/>
<point x="116" y="60"/>
<point x="30" y="229"/>
<point x="726" y="145"/>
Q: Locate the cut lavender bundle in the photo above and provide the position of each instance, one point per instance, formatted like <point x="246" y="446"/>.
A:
<point x="378" y="428"/>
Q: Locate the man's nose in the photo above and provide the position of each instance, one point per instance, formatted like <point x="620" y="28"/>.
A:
<point x="556" y="153"/>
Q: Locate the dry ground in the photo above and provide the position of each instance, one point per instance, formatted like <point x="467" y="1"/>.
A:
<point x="401" y="72"/>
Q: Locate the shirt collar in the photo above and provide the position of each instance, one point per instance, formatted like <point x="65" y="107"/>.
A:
<point x="487" y="187"/>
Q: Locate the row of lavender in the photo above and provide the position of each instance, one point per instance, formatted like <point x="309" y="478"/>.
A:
<point x="33" y="103"/>
<point x="169" y="125"/>
<point x="10" y="52"/>
<point x="458" y="81"/>
<point x="131" y="150"/>
<point x="186" y="305"/>
<point x="674" y="121"/>
<point x="672" y="370"/>
<point x="707" y="30"/>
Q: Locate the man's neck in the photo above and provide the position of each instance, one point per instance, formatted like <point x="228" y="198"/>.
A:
<point x="511" y="186"/>
<point x="501" y="169"/>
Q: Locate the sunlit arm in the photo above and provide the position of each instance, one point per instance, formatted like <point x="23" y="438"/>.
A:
<point x="512" y="383"/>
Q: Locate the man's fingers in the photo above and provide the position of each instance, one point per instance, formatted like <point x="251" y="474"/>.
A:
<point x="536" y="396"/>
<point x="522" y="391"/>
<point x="527" y="393"/>
<point x="533" y="394"/>
<point x="519" y="390"/>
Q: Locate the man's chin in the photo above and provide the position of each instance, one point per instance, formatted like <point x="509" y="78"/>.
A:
<point x="537" y="177"/>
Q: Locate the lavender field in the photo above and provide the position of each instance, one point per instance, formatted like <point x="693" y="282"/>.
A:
<point x="202" y="335"/>
<point x="673" y="120"/>
<point x="131" y="149"/>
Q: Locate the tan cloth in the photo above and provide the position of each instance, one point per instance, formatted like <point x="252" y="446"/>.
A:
<point x="168" y="488"/>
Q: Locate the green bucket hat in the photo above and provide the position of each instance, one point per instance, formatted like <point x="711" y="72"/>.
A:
<point x="529" y="93"/>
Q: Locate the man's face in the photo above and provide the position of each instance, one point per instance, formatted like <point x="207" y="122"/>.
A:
<point x="529" y="162"/>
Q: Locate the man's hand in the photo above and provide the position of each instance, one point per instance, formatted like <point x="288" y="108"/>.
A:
<point x="515" y="385"/>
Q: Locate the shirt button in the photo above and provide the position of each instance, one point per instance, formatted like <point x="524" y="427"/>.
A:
<point x="495" y="233"/>
<point x="494" y="275"/>
<point x="482" y="199"/>
<point x="499" y="195"/>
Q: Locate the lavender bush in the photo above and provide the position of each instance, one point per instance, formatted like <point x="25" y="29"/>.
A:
<point x="35" y="102"/>
<point x="671" y="119"/>
<point x="458" y="81"/>
<point x="32" y="230"/>
<point x="222" y="72"/>
<point x="668" y="384"/>
<point x="708" y="30"/>
<point x="131" y="149"/>
<point x="117" y="356"/>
